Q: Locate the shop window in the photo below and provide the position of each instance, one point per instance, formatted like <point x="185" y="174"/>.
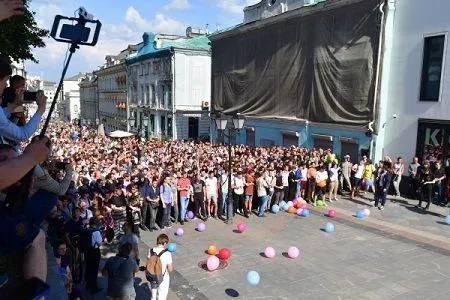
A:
<point x="433" y="54"/>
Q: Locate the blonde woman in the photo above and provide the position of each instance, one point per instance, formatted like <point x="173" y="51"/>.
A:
<point x="334" y="182"/>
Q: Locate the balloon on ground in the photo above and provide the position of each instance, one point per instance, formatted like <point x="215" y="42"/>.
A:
<point x="269" y="252"/>
<point x="253" y="277"/>
<point x="212" y="263"/>
<point x="293" y="252"/>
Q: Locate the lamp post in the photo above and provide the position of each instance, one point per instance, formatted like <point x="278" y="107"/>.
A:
<point x="132" y="121"/>
<point x="221" y="124"/>
<point x="145" y="123"/>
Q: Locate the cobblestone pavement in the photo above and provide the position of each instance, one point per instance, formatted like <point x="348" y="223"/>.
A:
<point x="350" y="263"/>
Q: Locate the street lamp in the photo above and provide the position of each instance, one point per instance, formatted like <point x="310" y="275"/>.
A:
<point x="132" y="121"/>
<point x="221" y="124"/>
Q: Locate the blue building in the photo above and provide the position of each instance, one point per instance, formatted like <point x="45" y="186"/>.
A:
<point x="303" y="73"/>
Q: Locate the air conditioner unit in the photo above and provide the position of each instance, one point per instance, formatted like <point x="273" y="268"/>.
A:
<point x="205" y="105"/>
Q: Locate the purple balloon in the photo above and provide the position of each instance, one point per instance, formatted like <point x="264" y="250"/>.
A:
<point x="201" y="227"/>
<point x="190" y="214"/>
<point x="179" y="231"/>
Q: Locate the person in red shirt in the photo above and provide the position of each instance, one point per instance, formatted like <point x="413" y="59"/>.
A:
<point x="183" y="188"/>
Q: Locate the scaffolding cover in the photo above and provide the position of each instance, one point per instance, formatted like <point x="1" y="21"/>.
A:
<point x="318" y="67"/>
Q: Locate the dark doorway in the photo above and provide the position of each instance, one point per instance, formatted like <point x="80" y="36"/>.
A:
<point x="348" y="148"/>
<point x="193" y="128"/>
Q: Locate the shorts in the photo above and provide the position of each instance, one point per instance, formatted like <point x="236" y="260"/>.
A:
<point x="369" y="182"/>
<point x="303" y="184"/>
<point x="357" y="182"/>
<point x="212" y="198"/>
<point x="248" y="198"/>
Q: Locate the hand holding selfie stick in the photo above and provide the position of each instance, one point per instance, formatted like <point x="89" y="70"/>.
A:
<point x="75" y="35"/>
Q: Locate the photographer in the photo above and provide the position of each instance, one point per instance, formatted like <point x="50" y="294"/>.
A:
<point x="44" y="180"/>
<point x="8" y="129"/>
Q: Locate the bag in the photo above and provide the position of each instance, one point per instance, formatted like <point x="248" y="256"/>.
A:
<point x="85" y="242"/>
<point x="153" y="270"/>
<point x="136" y="217"/>
<point x="322" y="183"/>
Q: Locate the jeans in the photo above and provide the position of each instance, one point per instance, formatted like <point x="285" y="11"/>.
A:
<point x="175" y="211"/>
<point x="262" y="205"/>
<point x="166" y="214"/>
<point x="397" y="185"/>
<point x="145" y="213"/>
<point x="380" y="196"/>
<point x="239" y="200"/>
<point x="92" y="257"/>
<point x="223" y="204"/>
<point x="184" y="201"/>
<point x="161" y="292"/>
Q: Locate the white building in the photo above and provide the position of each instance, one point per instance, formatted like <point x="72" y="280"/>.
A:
<point x="112" y="90"/>
<point x="18" y="68"/>
<point x="415" y="81"/>
<point x="49" y="89"/>
<point x="70" y="110"/>
<point x="170" y="86"/>
<point x="89" y="100"/>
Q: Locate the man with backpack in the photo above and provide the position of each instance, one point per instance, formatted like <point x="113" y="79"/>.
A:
<point x="91" y="239"/>
<point x="159" y="265"/>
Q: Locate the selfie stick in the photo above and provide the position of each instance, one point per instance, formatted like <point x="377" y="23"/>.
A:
<point x="16" y="199"/>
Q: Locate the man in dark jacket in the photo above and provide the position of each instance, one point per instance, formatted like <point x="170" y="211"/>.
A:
<point x="382" y="184"/>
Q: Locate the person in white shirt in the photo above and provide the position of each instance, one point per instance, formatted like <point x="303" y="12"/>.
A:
<point x="321" y="184"/>
<point x="211" y="195"/>
<point x="334" y="176"/>
<point x="237" y="184"/>
<point x="359" y="172"/>
<point x="160" y="292"/>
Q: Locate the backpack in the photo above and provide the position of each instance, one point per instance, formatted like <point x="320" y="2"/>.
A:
<point x="86" y="239"/>
<point x="153" y="270"/>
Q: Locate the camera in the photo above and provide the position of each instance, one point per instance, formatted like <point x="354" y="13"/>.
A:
<point x="60" y="165"/>
<point x="29" y="97"/>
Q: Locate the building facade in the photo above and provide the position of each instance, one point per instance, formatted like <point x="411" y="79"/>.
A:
<point x="49" y="89"/>
<point x="89" y="100"/>
<point x="112" y="91"/>
<point x="70" y="106"/>
<point x="301" y="74"/>
<point x="170" y="86"/>
<point x="415" y="83"/>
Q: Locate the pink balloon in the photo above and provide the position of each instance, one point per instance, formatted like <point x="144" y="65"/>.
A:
<point x="299" y="211"/>
<point x="294" y="202"/>
<point x="332" y="213"/>
<point x="293" y="252"/>
<point x="212" y="263"/>
<point x="304" y="206"/>
<point x="241" y="227"/>
<point x="366" y="212"/>
<point x="269" y="252"/>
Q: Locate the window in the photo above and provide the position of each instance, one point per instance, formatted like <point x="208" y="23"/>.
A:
<point x="163" y="125"/>
<point x="163" y="100"/>
<point x="169" y="126"/>
<point x="152" y="123"/>
<point x="169" y="96"/>
<point x="250" y="134"/>
<point x="75" y="108"/>
<point x="142" y="95"/>
<point x="433" y="53"/>
<point x="147" y="92"/>
<point x="153" y="93"/>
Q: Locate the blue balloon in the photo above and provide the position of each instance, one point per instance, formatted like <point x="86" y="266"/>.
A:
<point x="360" y="214"/>
<point x="172" y="247"/>
<point x="275" y="208"/>
<point x="447" y="219"/>
<point x="329" y="227"/>
<point x="283" y="204"/>
<point x="305" y="212"/>
<point x="253" y="277"/>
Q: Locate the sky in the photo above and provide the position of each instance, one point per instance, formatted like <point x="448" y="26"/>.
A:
<point x="123" y="23"/>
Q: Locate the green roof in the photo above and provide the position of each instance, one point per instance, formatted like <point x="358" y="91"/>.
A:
<point x="150" y="51"/>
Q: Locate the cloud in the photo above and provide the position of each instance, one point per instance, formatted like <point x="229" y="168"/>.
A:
<point x="160" y="23"/>
<point x="234" y="6"/>
<point x="177" y="5"/>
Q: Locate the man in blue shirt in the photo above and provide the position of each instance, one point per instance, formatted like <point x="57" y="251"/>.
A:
<point x="8" y="129"/>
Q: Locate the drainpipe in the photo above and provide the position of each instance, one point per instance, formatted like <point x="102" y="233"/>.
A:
<point x="174" y="121"/>
<point x="376" y="106"/>
<point x="128" y="96"/>
<point x="384" y="78"/>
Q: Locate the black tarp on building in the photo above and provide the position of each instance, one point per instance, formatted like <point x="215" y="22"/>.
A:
<point x="320" y="67"/>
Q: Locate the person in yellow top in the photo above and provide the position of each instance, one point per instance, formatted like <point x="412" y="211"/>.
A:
<point x="368" y="176"/>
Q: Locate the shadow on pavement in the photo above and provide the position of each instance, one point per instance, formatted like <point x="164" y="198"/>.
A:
<point x="422" y="211"/>
<point x="232" y="293"/>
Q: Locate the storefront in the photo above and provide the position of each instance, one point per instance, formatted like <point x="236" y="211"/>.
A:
<point x="433" y="140"/>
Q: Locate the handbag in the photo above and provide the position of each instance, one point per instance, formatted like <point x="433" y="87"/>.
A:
<point x="136" y="217"/>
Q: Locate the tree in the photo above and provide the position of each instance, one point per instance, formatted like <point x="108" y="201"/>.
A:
<point x="19" y="34"/>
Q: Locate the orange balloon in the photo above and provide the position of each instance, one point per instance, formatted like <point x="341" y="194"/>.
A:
<point x="212" y="250"/>
<point x="291" y="210"/>
<point x="299" y="205"/>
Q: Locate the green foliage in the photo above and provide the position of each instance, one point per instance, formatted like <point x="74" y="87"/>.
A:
<point x="19" y="34"/>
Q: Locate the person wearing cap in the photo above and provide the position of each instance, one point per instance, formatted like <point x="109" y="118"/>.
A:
<point x="85" y="213"/>
<point x="346" y="168"/>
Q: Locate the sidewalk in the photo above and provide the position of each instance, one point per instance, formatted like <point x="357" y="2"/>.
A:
<point x="400" y="217"/>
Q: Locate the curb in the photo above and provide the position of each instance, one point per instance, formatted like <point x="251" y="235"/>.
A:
<point x="423" y="239"/>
